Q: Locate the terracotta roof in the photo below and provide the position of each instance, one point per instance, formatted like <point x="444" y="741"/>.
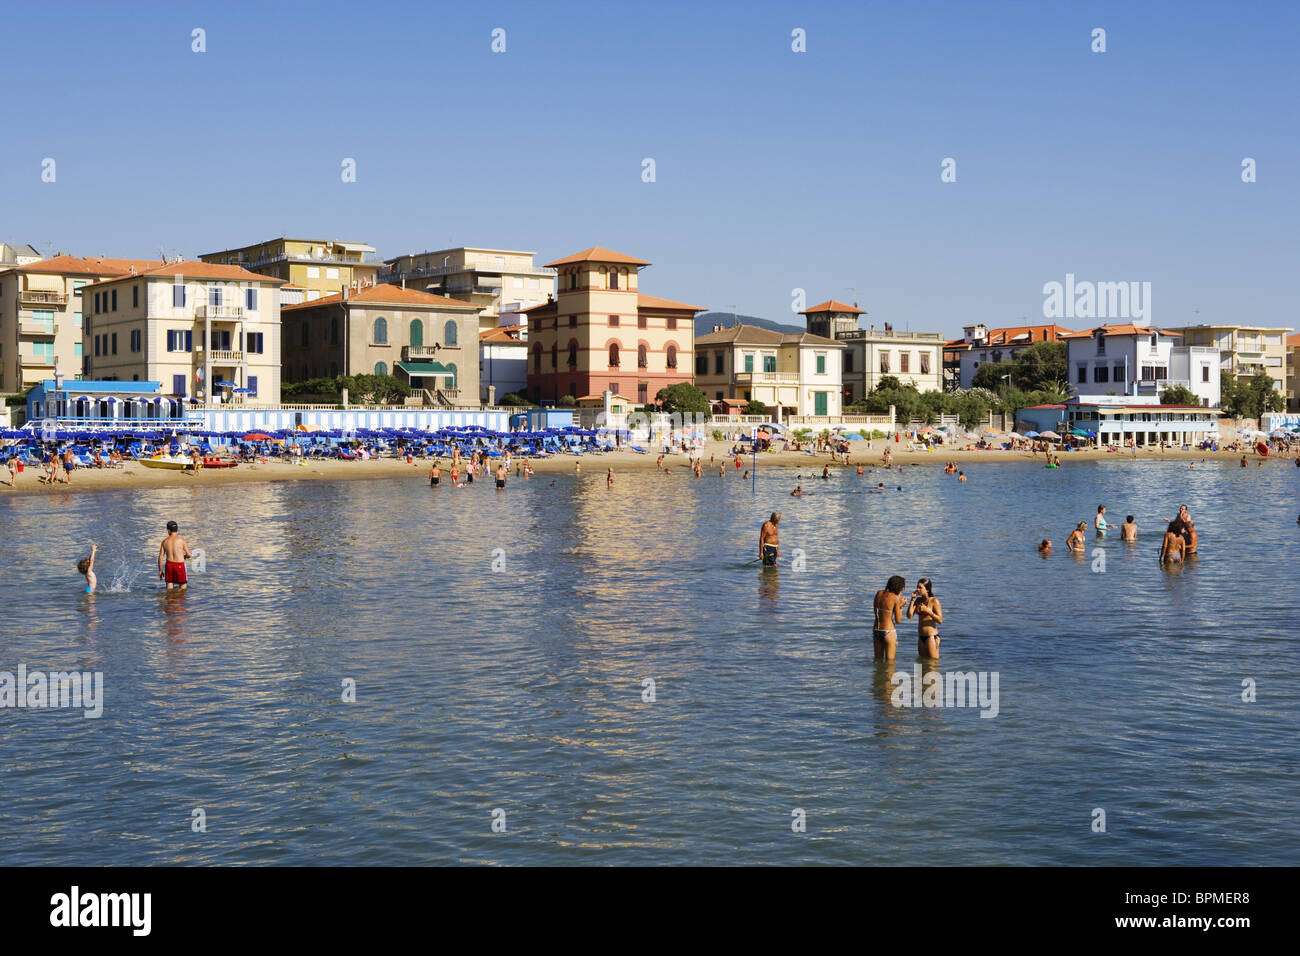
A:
<point x="502" y="333"/>
<point x="598" y="254"/>
<point x="193" y="269"/>
<point x="1120" y="330"/>
<point x="89" y="266"/>
<point x="830" y="305"/>
<point x="654" y="302"/>
<point x="1034" y="333"/>
<point x="387" y="294"/>
<point x="1293" y="340"/>
<point x="807" y="338"/>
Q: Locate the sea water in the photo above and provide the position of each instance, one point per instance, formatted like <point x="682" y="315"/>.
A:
<point x="381" y="672"/>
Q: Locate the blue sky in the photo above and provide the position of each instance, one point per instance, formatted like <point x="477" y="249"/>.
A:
<point x="775" y="170"/>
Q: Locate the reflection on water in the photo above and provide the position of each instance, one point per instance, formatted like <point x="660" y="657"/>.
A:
<point x="501" y="646"/>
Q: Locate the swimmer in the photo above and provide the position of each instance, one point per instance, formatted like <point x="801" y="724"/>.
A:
<point x="1045" y="546"/>
<point x="888" y="609"/>
<point x="609" y="479"/>
<point x="859" y="470"/>
<point x="86" y="566"/>
<point x="1191" y="538"/>
<point x="798" y="491"/>
<point x="961" y="476"/>
<point x="1128" y="531"/>
<point x="501" y="477"/>
<point x="171" y="558"/>
<point x="1099" y="522"/>
<point x="1075" y="541"/>
<point x="435" y="475"/>
<point x="826" y="471"/>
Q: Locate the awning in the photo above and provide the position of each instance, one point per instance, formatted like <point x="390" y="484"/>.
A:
<point x="426" y="370"/>
<point x="353" y="246"/>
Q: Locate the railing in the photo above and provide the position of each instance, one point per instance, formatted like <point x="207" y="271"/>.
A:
<point x="767" y="378"/>
<point x="412" y="352"/>
<point x="35" y="327"/>
<point x="218" y="312"/>
<point x="416" y="273"/>
<point x="896" y="334"/>
<point x="223" y="356"/>
<point x="1160" y="384"/>
<point x="37" y="361"/>
<point x="38" y="297"/>
<point x="357" y="259"/>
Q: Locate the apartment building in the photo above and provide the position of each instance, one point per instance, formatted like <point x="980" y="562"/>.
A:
<point x="41" y="314"/>
<point x="429" y="341"/>
<point x="319" y="267"/>
<point x="495" y="280"/>
<point x="600" y="332"/>
<point x="1292" y="373"/>
<point x="1244" y="350"/>
<point x="207" y="332"/>
<point x="1139" y="360"/>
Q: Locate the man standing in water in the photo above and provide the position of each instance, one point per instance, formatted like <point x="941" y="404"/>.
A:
<point x="171" y="558"/>
<point x="769" y="544"/>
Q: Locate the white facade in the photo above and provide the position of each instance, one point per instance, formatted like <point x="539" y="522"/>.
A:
<point x="503" y="365"/>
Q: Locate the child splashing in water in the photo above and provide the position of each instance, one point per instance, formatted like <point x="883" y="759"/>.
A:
<point x="86" y="566"/>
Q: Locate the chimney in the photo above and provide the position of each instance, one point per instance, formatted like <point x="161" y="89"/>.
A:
<point x="345" y="293"/>
<point x="403" y="282"/>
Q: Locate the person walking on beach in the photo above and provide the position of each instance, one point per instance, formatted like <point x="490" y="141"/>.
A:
<point x="769" y="543"/>
<point x="926" y="607"/>
<point x="172" y="555"/>
<point x="12" y="472"/>
<point x="888" y="610"/>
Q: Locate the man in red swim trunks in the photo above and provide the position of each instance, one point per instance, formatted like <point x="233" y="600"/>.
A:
<point x="171" y="558"/>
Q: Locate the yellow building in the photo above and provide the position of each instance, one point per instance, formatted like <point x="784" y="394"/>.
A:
<point x="206" y="331"/>
<point x="41" y="310"/>
<point x="320" y="267"/>
<point x="1292" y="373"/>
<point x="496" y="280"/>
<point x="1244" y="350"/>
<point x="791" y="373"/>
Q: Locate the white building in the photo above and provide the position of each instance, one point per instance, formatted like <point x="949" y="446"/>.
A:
<point x="503" y="362"/>
<point x="1137" y="360"/>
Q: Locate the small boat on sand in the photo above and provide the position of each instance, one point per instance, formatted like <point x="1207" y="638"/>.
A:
<point x="174" y="462"/>
<point x="211" y="462"/>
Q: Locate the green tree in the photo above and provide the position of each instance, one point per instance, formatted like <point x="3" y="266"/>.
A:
<point x="890" y="382"/>
<point x="1178" y="395"/>
<point x="990" y="375"/>
<point x="683" y="399"/>
<point x="514" y="399"/>
<point x="1042" y="366"/>
<point x="754" y="407"/>
<point x="932" y="406"/>
<point x="566" y="401"/>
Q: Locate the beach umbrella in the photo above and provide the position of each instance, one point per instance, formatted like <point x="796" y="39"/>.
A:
<point x="1079" y="433"/>
<point x="1029" y="435"/>
<point x="258" y="436"/>
<point x="853" y="436"/>
<point x="1014" y="435"/>
<point x="1052" y="436"/>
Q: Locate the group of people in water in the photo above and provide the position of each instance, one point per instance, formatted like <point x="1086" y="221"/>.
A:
<point x="888" y="606"/>
<point x="1181" y="539"/>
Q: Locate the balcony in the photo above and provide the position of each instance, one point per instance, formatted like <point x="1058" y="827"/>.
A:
<point x="40" y="297"/>
<point x="767" y="378"/>
<point x="29" y="326"/>
<point x="37" y="361"/>
<point x="217" y="356"/>
<point x="222" y="313"/>
<point x="345" y="259"/>
<point x="421" y="353"/>
<point x="1154" y="386"/>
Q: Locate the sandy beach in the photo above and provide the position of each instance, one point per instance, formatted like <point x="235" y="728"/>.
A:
<point x="137" y="476"/>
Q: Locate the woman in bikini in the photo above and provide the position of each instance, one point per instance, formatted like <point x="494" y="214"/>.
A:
<point x="1075" y="542"/>
<point x="925" y="606"/>
<point x="888" y="608"/>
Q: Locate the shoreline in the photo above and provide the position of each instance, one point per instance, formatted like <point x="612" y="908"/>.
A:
<point x="133" y="475"/>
